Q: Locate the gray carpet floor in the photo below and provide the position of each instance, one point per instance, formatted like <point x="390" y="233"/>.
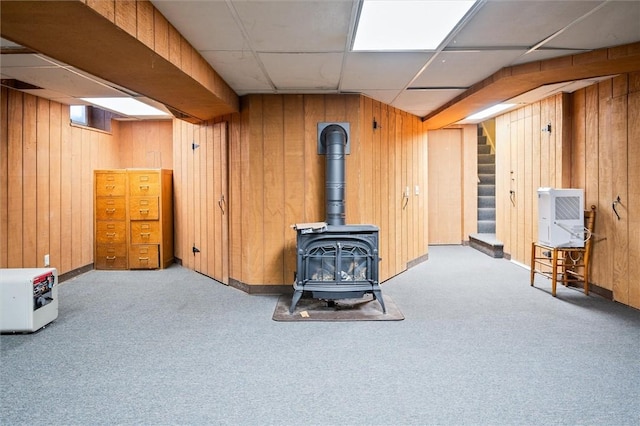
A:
<point x="478" y="346"/>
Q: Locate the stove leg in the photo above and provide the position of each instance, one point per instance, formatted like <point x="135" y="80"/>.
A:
<point x="377" y="294"/>
<point x="294" y="300"/>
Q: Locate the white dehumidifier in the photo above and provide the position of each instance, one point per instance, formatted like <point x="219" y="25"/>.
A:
<point x="28" y="299"/>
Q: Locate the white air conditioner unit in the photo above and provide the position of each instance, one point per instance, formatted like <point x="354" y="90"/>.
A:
<point x="561" y="217"/>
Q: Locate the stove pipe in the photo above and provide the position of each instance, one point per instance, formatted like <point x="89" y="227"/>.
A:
<point x="334" y="141"/>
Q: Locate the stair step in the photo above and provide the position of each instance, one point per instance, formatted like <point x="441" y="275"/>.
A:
<point x="484" y="149"/>
<point x="486" y="213"/>
<point x="487" y="201"/>
<point x="487" y="178"/>
<point x="486" y="226"/>
<point x="486" y="190"/>
<point x="486" y="159"/>
<point x="487" y="243"/>
<point x="487" y="169"/>
<point x="482" y="140"/>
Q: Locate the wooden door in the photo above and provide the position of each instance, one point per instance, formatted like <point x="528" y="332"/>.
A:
<point x="445" y="186"/>
<point x="210" y="224"/>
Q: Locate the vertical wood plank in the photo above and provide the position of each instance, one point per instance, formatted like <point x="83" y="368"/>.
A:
<point x="145" y="21"/>
<point x="634" y="196"/>
<point x="43" y="175"/>
<point x="314" y="164"/>
<point x="197" y="210"/>
<point x="4" y="177"/>
<point x="55" y="172"/>
<point x="383" y="185"/>
<point x="29" y="190"/>
<point x="160" y="34"/>
<point x="255" y="203"/>
<point x="125" y="16"/>
<point x="15" y="179"/>
<point x="105" y="8"/>
<point x="294" y="166"/>
<point x="222" y="135"/>
<point x="604" y="221"/>
<point x="620" y="187"/>
<point x="274" y="197"/>
<point x="85" y="214"/>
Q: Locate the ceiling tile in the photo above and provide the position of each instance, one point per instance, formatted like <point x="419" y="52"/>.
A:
<point x="454" y="69"/>
<point x="368" y="70"/>
<point x="519" y="23"/>
<point x="385" y="96"/>
<point x="296" y="26"/>
<point x="310" y="71"/>
<point x="239" y="69"/>
<point x="207" y="25"/>
<point x="422" y="102"/>
<point x="614" y="24"/>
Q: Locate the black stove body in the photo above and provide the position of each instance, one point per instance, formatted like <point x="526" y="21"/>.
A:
<point x="336" y="261"/>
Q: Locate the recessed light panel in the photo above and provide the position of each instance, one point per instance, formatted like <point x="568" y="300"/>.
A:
<point x="388" y="25"/>
<point x="126" y="106"/>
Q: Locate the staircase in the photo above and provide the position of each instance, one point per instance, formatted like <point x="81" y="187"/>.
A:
<point x="485" y="240"/>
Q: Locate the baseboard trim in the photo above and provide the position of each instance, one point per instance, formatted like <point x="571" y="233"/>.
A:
<point x="417" y="261"/>
<point x="74" y="273"/>
<point x="261" y="288"/>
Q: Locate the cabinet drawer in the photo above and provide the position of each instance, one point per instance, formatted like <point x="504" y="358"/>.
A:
<point x="110" y="208"/>
<point x="144" y="183"/>
<point x="144" y="232"/>
<point x="144" y="256"/>
<point x="111" y="256"/>
<point x="113" y="184"/>
<point x="143" y="208"/>
<point x="113" y="232"/>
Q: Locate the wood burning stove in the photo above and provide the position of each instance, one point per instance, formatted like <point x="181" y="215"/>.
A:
<point x="335" y="260"/>
<point x="338" y="262"/>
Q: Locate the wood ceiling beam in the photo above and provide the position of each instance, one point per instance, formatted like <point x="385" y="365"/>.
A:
<point x="128" y="43"/>
<point x="513" y="81"/>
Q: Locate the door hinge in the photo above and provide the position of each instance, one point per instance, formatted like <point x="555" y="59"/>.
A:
<point x="194" y="146"/>
<point x="195" y="250"/>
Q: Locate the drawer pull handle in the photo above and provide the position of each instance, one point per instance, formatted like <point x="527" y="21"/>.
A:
<point x="111" y="234"/>
<point x="145" y="259"/>
<point x="144" y="211"/>
<point x="111" y="258"/>
<point x="145" y="234"/>
<point x="144" y="187"/>
<point x="110" y="186"/>
<point x="110" y="210"/>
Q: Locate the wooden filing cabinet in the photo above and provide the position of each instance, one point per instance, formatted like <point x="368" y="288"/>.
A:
<point x="150" y="218"/>
<point x="110" y="212"/>
<point x="147" y="226"/>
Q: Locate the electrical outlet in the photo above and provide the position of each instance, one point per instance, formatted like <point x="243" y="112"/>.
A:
<point x="46" y="260"/>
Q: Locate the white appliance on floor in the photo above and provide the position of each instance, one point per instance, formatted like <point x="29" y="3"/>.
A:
<point x="28" y="298"/>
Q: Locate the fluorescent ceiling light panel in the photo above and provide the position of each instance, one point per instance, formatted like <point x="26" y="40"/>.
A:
<point x="490" y="111"/>
<point x="401" y="25"/>
<point x="126" y="106"/>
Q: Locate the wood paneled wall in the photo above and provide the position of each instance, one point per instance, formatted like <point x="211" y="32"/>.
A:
<point x="46" y="183"/>
<point x="593" y="144"/>
<point x="144" y="144"/>
<point x="453" y="184"/>
<point x="276" y="179"/>
<point x="606" y="163"/>
<point x="528" y="158"/>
